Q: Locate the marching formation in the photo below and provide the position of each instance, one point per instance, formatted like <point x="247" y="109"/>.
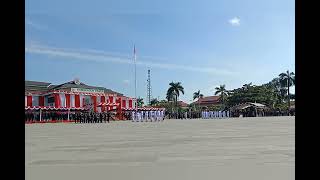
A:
<point x="145" y="116"/>
<point x="215" y="114"/>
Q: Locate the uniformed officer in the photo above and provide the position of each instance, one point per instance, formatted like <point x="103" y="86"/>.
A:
<point x="108" y="117"/>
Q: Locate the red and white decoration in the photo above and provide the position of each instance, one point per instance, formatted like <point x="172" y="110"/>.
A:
<point x="50" y="108"/>
<point x="63" y="99"/>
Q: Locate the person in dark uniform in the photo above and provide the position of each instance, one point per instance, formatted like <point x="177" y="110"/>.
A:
<point x="95" y="116"/>
<point x="108" y="117"/>
<point x="44" y="116"/>
<point x="84" y="117"/>
<point x="32" y="116"/>
<point x="81" y="117"/>
<point x="90" y="118"/>
<point x="74" y="117"/>
<point x="78" y="116"/>
<point x="100" y="117"/>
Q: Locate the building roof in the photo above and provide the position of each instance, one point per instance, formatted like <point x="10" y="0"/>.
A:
<point x="183" y="104"/>
<point x="248" y="104"/>
<point x="208" y="100"/>
<point x="36" y="83"/>
<point x="257" y="104"/>
<point x="36" y="86"/>
<point x="42" y="86"/>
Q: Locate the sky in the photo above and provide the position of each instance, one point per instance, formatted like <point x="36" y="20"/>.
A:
<point x="201" y="44"/>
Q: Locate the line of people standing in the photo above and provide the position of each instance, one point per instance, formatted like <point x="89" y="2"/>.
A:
<point x="146" y="116"/>
<point x="215" y="114"/>
<point x="31" y="116"/>
<point x="77" y="117"/>
<point x="91" y="117"/>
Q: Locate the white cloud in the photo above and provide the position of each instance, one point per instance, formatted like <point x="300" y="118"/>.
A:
<point x="101" y="56"/>
<point x="235" y="21"/>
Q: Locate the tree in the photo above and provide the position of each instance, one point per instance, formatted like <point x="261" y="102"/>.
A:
<point x="197" y="95"/>
<point x="247" y="86"/>
<point x="287" y="79"/>
<point x="278" y="89"/>
<point x="222" y="91"/>
<point x="174" y="90"/>
<point x="154" y="102"/>
<point x="140" y="102"/>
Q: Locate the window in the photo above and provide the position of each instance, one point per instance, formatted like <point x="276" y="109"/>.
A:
<point x="50" y="100"/>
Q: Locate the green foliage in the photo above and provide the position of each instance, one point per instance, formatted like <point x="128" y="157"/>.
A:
<point x="197" y="95"/>
<point x="215" y="108"/>
<point x="140" y="102"/>
<point x="261" y="94"/>
<point x="221" y="90"/>
<point x="281" y="107"/>
<point x="154" y="102"/>
<point x="272" y="94"/>
<point x="173" y="92"/>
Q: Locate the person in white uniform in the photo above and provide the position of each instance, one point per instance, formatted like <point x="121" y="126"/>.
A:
<point x="159" y="115"/>
<point x="147" y="116"/>
<point x="138" y="116"/>
<point x="150" y="115"/>
<point x="141" y="116"/>
<point x="156" y="115"/>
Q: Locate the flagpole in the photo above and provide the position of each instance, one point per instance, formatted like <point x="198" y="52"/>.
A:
<point x="135" y="78"/>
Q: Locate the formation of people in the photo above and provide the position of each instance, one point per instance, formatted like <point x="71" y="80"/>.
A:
<point x="91" y="117"/>
<point x="45" y="116"/>
<point x="147" y="116"/>
<point x="77" y="117"/>
<point x="215" y="114"/>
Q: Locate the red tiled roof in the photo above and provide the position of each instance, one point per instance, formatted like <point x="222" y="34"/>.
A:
<point x="183" y="104"/>
<point x="208" y="100"/>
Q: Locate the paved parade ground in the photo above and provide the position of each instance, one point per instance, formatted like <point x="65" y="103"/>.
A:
<point x="224" y="149"/>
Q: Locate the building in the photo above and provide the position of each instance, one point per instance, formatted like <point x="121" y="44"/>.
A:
<point x="74" y="94"/>
<point x="183" y="105"/>
<point x="208" y="101"/>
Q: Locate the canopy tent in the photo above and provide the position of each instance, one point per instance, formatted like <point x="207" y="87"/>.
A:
<point x="247" y="105"/>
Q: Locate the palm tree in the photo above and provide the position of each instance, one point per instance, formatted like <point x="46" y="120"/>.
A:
<point x="287" y="79"/>
<point x="222" y="91"/>
<point x="154" y="102"/>
<point x="174" y="91"/>
<point x="140" y="102"/>
<point x="197" y="95"/>
<point x="279" y="90"/>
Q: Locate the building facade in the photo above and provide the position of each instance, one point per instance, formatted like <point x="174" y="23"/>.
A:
<point x="74" y="94"/>
<point x="207" y="101"/>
